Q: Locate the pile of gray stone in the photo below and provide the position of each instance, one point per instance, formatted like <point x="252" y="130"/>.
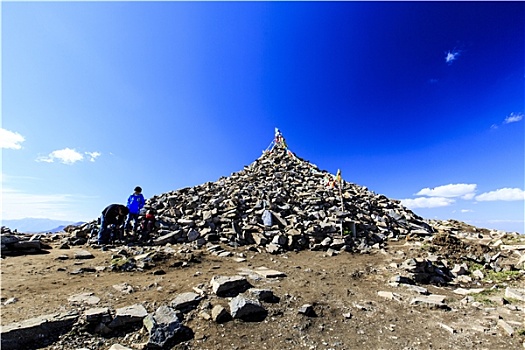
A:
<point x="280" y="202"/>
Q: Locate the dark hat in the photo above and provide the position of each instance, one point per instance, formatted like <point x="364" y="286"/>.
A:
<point x="138" y="189"/>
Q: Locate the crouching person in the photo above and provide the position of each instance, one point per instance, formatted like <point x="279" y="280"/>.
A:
<point x="114" y="214"/>
<point x="147" y="226"/>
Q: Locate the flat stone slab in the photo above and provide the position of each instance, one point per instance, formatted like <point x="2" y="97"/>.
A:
<point x="170" y="237"/>
<point x="83" y="254"/>
<point x="186" y="301"/>
<point x="417" y="289"/>
<point x="433" y="300"/>
<point x="268" y="273"/>
<point x="98" y="314"/>
<point x="26" y="334"/>
<point x="129" y="314"/>
<point x="446" y="327"/>
<point x="518" y="294"/>
<point x="389" y="295"/>
<point x="463" y="291"/>
<point x="506" y="327"/>
<point x="84" y="298"/>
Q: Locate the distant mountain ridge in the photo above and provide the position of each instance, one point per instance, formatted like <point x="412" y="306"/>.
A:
<point x="37" y="225"/>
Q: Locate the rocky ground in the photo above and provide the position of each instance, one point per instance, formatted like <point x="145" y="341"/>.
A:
<point x="389" y="298"/>
<point x="280" y="255"/>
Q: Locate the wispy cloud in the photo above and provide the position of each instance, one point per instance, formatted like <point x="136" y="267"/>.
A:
<point x="465" y="191"/>
<point x="93" y="155"/>
<point x="502" y="194"/>
<point x="19" y="203"/>
<point x="451" y="56"/>
<point x="427" y="202"/>
<point x="67" y="156"/>
<point x="513" y="118"/>
<point x="10" y="139"/>
<point x="463" y="211"/>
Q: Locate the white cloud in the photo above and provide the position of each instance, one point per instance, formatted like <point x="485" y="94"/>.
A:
<point x="467" y="211"/>
<point x="93" y="155"/>
<point x="67" y="156"/>
<point x="468" y="196"/>
<point x="425" y="202"/>
<point x="465" y="191"/>
<point x="502" y="194"/>
<point x="45" y="159"/>
<point x="513" y="118"/>
<point x="451" y="56"/>
<point x="10" y="139"/>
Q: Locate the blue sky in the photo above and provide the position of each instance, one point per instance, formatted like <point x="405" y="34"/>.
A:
<point x="419" y="101"/>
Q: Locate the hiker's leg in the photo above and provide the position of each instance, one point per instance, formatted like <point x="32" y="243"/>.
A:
<point x="127" y="226"/>
<point x="135" y="221"/>
<point x="102" y="233"/>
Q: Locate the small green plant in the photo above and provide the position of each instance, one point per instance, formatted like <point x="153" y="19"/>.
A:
<point x="502" y="276"/>
<point x="484" y="297"/>
<point x="485" y="301"/>
<point x="488" y="292"/>
<point x="496" y="277"/>
<point x="475" y="266"/>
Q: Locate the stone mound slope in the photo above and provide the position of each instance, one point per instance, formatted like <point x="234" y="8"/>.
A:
<point x="306" y="207"/>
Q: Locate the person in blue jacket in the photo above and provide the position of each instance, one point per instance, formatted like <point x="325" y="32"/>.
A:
<point x="135" y="203"/>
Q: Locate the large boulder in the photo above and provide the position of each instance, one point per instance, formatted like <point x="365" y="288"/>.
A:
<point x="229" y="285"/>
<point x="165" y="328"/>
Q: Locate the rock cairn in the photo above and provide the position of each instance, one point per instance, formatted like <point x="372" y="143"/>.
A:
<point x="302" y="210"/>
